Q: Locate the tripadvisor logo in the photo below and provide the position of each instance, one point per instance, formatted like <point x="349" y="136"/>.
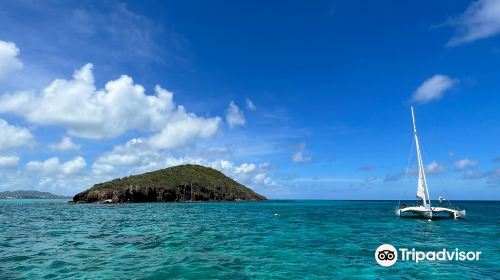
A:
<point x="387" y="255"/>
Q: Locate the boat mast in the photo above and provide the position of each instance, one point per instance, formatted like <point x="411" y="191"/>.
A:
<point x="421" y="169"/>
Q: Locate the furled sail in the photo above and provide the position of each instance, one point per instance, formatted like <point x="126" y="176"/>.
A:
<point x="421" y="186"/>
<point x="422" y="191"/>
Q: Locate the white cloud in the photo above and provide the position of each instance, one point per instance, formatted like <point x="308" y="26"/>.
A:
<point x="250" y="105"/>
<point x="480" y="20"/>
<point x="49" y="166"/>
<point x="13" y="136"/>
<point x="492" y="176"/>
<point x="431" y="168"/>
<point x="184" y="129"/>
<point x="434" y="168"/>
<point x="245" y="168"/>
<point x="73" y="166"/>
<point x="466" y="163"/>
<point x="136" y="156"/>
<point x="102" y="168"/>
<point x="299" y="157"/>
<point x="9" y="61"/>
<point x="234" y="116"/>
<point x="250" y="173"/>
<point x="66" y="144"/>
<point x="9" y="161"/>
<point x="433" y="88"/>
<point x="134" y="153"/>
<point x="105" y="113"/>
<point x="53" y="166"/>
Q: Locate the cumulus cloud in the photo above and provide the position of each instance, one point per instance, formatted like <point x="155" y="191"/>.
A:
<point x="480" y="20"/>
<point x="66" y="144"/>
<point x="492" y="177"/>
<point x="250" y="105"/>
<point x="13" y="136"/>
<point x="9" y="61"/>
<point x="300" y="156"/>
<point x="136" y="156"/>
<point x="245" y="168"/>
<point x="466" y="163"/>
<point x="134" y="153"/>
<point x="434" y="168"/>
<point x="120" y="107"/>
<point x="247" y="172"/>
<point x="234" y="116"/>
<point x="9" y="161"/>
<point x="184" y="129"/>
<point x="53" y="166"/>
<point x="433" y="88"/>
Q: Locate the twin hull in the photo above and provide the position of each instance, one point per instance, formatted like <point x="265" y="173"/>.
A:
<point x="423" y="212"/>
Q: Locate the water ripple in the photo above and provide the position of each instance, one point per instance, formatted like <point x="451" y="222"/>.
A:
<point x="45" y="239"/>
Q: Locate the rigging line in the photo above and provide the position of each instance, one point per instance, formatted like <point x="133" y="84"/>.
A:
<point x="405" y="179"/>
<point x="422" y="147"/>
<point x="409" y="157"/>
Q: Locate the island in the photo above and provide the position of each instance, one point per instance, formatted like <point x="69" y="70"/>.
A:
<point x="29" y="194"/>
<point x="183" y="183"/>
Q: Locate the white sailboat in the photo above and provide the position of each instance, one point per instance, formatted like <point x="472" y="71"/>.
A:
<point x="424" y="209"/>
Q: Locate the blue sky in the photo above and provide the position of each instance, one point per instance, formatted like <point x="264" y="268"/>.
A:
<point x="296" y="99"/>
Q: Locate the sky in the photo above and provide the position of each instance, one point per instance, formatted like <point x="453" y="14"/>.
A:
<point x="295" y="99"/>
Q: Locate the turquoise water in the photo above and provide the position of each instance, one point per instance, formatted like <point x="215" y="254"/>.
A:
<point x="50" y="239"/>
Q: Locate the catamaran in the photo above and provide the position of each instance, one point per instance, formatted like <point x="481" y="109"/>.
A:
<point x="424" y="209"/>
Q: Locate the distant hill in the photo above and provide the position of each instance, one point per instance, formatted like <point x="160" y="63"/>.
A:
<point x="29" y="194"/>
<point x="178" y="183"/>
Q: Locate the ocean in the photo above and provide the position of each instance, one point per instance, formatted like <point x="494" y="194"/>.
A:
<point x="51" y="239"/>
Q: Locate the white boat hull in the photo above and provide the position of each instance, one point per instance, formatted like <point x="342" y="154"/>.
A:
<point x="429" y="213"/>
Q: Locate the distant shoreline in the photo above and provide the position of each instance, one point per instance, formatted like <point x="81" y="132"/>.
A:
<point x="29" y="194"/>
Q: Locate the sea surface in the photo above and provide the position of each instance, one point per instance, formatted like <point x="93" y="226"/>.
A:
<point x="51" y="239"/>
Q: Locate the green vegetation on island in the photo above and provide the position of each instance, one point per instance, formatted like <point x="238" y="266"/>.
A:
<point x="174" y="184"/>
<point x="29" y="194"/>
